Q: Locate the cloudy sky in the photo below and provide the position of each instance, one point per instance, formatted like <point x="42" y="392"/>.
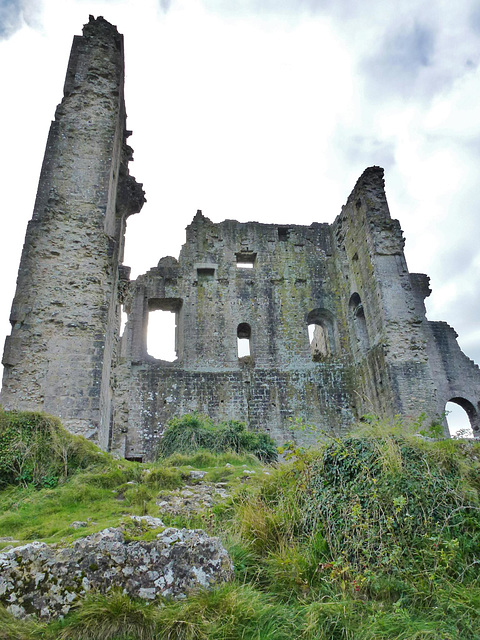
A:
<point x="269" y="110"/>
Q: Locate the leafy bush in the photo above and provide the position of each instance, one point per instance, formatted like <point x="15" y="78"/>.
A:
<point x="35" y="448"/>
<point x="385" y="505"/>
<point x="193" y="432"/>
<point x="387" y="520"/>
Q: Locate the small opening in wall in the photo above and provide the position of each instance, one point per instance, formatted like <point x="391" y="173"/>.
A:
<point x="321" y="335"/>
<point x="123" y="321"/>
<point x="205" y="274"/>
<point x="161" y="335"/>
<point x="244" y="333"/>
<point x="283" y="233"/>
<point x="134" y="458"/>
<point x="246" y="260"/>
<point x="359" y="322"/>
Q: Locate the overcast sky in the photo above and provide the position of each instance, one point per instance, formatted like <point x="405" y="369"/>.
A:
<point x="269" y="110"/>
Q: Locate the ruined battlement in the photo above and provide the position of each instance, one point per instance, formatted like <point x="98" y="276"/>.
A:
<point x="273" y="322"/>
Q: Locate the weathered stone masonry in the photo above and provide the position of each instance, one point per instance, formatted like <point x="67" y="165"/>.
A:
<point x="372" y="351"/>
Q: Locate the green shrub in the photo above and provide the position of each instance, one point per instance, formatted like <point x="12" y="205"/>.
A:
<point x="36" y="449"/>
<point x="193" y="432"/>
<point x="384" y="505"/>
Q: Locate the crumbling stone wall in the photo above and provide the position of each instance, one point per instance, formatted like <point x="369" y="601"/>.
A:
<point x="65" y="314"/>
<point x="373" y="349"/>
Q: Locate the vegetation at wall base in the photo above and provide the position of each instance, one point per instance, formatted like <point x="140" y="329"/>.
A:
<point x="36" y="449"/>
<point x="190" y="433"/>
<point x="368" y="537"/>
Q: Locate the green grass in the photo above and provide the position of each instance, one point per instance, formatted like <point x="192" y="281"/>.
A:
<point x="191" y="433"/>
<point x="371" y="537"/>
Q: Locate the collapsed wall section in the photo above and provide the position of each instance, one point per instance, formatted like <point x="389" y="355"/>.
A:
<point x="392" y="374"/>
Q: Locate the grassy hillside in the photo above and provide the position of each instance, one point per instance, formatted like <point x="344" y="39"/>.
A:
<point x="373" y="536"/>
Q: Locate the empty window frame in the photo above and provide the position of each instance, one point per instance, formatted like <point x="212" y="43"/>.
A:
<point x="244" y="334"/>
<point x="162" y="329"/>
<point x="205" y="274"/>
<point x="319" y="344"/>
<point x="321" y="333"/>
<point x="246" y="260"/>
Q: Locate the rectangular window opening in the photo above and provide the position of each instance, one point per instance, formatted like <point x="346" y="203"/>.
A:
<point x="205" y="274"/>
<point x="283" y="233"/>
<point x="246" y="260"/>
<point x="161" y="335"/>
<point x="243" y="345"/>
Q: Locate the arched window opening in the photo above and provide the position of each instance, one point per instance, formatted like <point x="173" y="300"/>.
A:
<point x="462" y="419"/>
<point x="161" y="343"/>
<point x="360" y="324"/>
<point x="320" y="334"/>
<point x="244" y="333"/>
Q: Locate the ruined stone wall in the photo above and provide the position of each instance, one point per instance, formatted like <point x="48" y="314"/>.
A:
<point x="291" y="284"/>
<point x="374" y="351"/>
<point x="65" y="314"/>
<point x="392" y="370"/>
<point x="371" y="348"/>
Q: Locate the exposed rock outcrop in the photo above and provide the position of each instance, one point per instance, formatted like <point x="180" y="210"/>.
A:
<point x="44" y="580"/>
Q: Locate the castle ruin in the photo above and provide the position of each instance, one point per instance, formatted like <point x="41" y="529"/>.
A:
<point x="370" y="349"/>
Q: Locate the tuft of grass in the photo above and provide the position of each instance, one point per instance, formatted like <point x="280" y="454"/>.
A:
<point x="36" y="449"/>
<point x="193" y="432"/>
<point x="114" y="616"/>
<point x="204" y="459"/>
<point x="13" y="629"/>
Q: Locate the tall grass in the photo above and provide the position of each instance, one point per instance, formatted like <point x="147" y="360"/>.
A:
<point x="371" y="537"/>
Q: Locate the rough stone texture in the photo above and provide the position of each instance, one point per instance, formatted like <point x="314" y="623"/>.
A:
<point x="192" y="499"/>
<point x="373" y="349"/>
<point x="38" y="578"/>
<point x="65" y="314"/>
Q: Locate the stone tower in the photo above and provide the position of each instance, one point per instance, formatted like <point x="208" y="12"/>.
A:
<point x="65" y="314"/>
<point x="333" y="323"/>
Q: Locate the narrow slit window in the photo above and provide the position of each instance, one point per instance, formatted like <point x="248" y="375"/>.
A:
<point x="161" y="335"/>
<point x="123" y="321"/>
<point x="244" y="333"/>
